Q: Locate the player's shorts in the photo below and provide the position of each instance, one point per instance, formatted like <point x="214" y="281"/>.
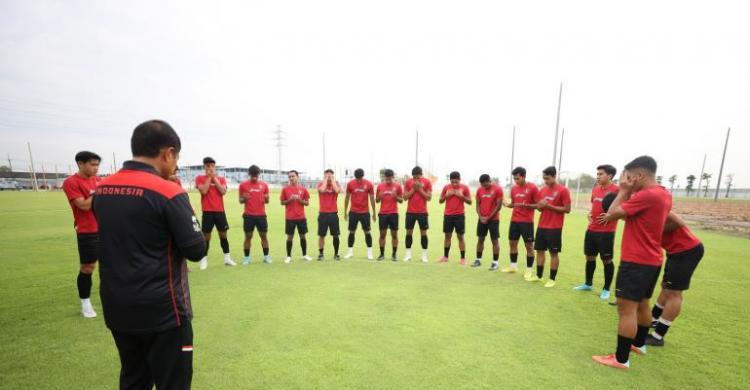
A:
<point x="413" y="218"/>
<point x="251" y="222"/>
<point x="388" y="221"/>
<point x="492" y="227"/>
<point x="453" y="223"/>
<point x="636" y="282"/>
<point x="599" y="244"/>
<point x="521" y="229"/>
<point x="328" y="222"/>
<point x="359" y="218"/>
<point x="680" y="267"/>
<point x="87" y="247"/>
<point x="299" y="224"/>
<point x="548" y="240"/>
<point x="214" y="218"/>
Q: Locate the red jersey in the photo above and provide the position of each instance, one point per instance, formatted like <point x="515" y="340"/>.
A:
<point x="417" y="204"/>
<point x="294" y="210"/>
<point x="255" y="197"/>
<point x="647" y="212"/>
<point x="597" y="195"/>
<point x="76" y="186"/>
<point x="454" y="205"/>
<point x="488" y="200"/>
<point x="521" y="195"/>
<point x="389" y="194"/>
<point x="558" y="196"/>
<point x="213" y="200"/>
<point x="360" y="191"/>
<point x="328" y="199"/>
<point x="678" y="241"/>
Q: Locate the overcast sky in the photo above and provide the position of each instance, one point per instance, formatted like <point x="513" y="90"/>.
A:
<point x="657" y="78"/>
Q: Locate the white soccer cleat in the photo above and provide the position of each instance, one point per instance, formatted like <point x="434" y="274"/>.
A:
<point x="87" y="310"/>
<point x="229" y="262"/>
<point x="424" y="257"/>
<point x="307" y="258"/>
<point x="203" y="264"/>
<point x="369" y="254"/>
<point x="407" y="256"/>
<point x="287" y="260"/>
<point x="349" y="254"/>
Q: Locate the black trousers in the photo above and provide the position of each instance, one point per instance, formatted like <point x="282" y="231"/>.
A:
<point x="164" y="359"/>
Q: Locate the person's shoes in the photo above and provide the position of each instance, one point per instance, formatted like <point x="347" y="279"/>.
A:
<point x="533" y="278"/>
<point x="583" y="287"/>
<point x="287" y="260"/>
<point x="349" y="255"/>
<point x="638" y="350"/>
<point x="654" y="342"/>
<point x="87" y="311"/>
<point x="381" y="257"/>
<point x="611" y="361"/>
<point x="320" y="257"/>
<point x="369" y="254"/>
<point x="476" y="263"/>
<point x="229" y="262"/>
<point x="407" y="255"/>
<point x="443" y="259"/>
<point x="203" y="264"/>
<point x="604" y="295"/>
<point x="267" y="259"/>
<point x="527" y="275"/>
<point x="550" y="283"/>
<point x="336" y="257"/>
<point x="307" y="258"/>
<point x="394" y="258"/>
<point x="246" y="261"/>
<point x="509" y="270"/>
<point x="462" y="261"/>
<point x="424" y="258"/>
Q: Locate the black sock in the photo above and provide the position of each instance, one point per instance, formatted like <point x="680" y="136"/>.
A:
<point x="479" y="255"/>
<point x="265" y="251"/>
<point x="336" y="243"/>
<point x="320" y="251"/>
<point x="446" y="250"/>
<point x="514" y="258"/>
<point x="84" y="285"/>
<point x="207" y="242"/>
<point x="246" y="252"/>
<point x="409" y="240"/>
<point x="609" y="274"/>
<point x="350" y="241"/>
<point x="382" y="251"/>
<point x="368" y="239"/>
<point x="529" y="261"/>
<point x="224" y="245"/>
<point x="623" y="349"/>
<point x="662" y="328"/>
<point x="590" y="268"/>
<point x="552" y="273"/>
<point x="640" y="336"/>
<point x="303" y="244"/>
<point x="539" y="271"/>
<point x="424" y="242"/>
<point x="496" y="256"/>
<point x="289" y="248"/>
<point x="395" y="248"/>
<point x="656" y="312"/>
<point x="463" y="254"/>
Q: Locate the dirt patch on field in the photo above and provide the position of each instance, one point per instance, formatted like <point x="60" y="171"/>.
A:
<point x="729" y="216"/>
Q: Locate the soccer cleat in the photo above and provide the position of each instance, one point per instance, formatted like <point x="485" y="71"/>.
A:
<point x="320" y="257"/>
<point x="509" y="270"/>
<point x="604" y="295"/>
<point x="462" y="261"/>
<point x="654" y="323"/>
<point x="307" y="258"/>
<point x="494" y="267"/>
<point x="653" y="341"/>
<point x="287" y="260"/>
<point x="337" y="257"/>
<point x="583" y="287"/>
<point x="476" y="263"/>
<point x="246" y="261"/>
<point x="638" y="350"/>
<point x="407" y="255"/>
<point x="203" y="264"/>
<point x="550" y="283"/>
<point x="533" y="278"/>
<point x="349" y="254"/>
<point x="394" y="258"/>
<point x="369" y="254"/>
<point x="611" y="361"/>
<point x="527" y="275"/>
<point x="443" y="259"/>
<point x="267" y="259"/>
<point x="381" y="257"/>
<point x="424" y="258"/>
<point x="87" y="311"/>
<point x="229" y="262"/>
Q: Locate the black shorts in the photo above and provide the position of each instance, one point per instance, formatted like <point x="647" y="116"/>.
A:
<point x="680" y="267"/>
<point x="548" y="240"/>
<point x="455" y="223"/>
<point x="214" y="218"/>
<point x="299" y="224"/>
<point x="412" y="219"/>
<point x="636" y="282"/>
<point x="359" y="218"/>
<point x="599" y="244"/>
<point x="87" y="247"/>
<point x="521" y="229"/>
<point x="388" y="221"/>
<point x="493" y="227"/>
<point x="328" y="222"/>
<point x="251" y="222"/>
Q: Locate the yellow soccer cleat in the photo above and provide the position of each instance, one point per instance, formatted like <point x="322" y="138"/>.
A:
<point x="527" y="275"/>
<point x="533" y="278"/>
<point x="509" y="270"/>
<point x="550" y="283"/>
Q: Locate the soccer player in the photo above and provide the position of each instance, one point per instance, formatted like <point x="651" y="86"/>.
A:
<point x="454" y="195"/>
<point x="600" y="239"/>
<point x="295" y="197"/>
<point x="213" y="188"/>
<point x="79" y="189"/>
<point x="684" y="252"/>
<point x="359" y="191"/>
<point x="254" y="195"/>
<point x="389" y="195"/>
<point x="644" y="205"/>
<point x="417" y="192"/>
<point x="147" y="228"/>
<point x="553" y="200"/>
<point x="489" y="202"/>
<point x="522" y="201"/>
<point x="328" y="218"/>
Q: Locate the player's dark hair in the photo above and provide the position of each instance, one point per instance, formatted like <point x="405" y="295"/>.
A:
<point x="359" y="173"/>
<point x="254" y="170"/>
<point x="608" y="169"/>
<point x="208" y="160"/>
<point x="607" y="200"/>
<point x="454" y="175"/>
<point x="86" y="156"/>
<point x="484" y="178"/>
<point x="152" y="136"/>
<point x="521" y="171"/>
<point x="416" y="170"/>
<point x="550" y="171"/>
<point x="329" y="170"/>
<point x="643" y="162"/>
<point x="388" y="173"/>
<point x="294" y="172"/>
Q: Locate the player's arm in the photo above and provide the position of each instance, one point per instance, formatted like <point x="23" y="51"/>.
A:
<point x="466" y="197"/>
<point x="374" y="211"/>
<point x="400" y="195"/>
<point x="203" y="188"/>
<point x="284" y="200"/>
<point x="378" y="196"/>
<point x="346" y="205"/>
<point x="221" y="187"/>
<point x="410" y="193"/>
<point x="673" y="222"/>
<point x="497" y="208"/>
<point x="266" y="195"/>
<point x="83" y="204"/>
<point x="243" y="198"/>
<point x="444" y="195"/>
<point x="304" y="199"/>
<point x="427" y="194"/>
<point x="615" y="210"/>
<point x="184" y="228"/>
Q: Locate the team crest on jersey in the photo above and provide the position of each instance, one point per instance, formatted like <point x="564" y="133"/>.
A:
<point x="196" y="225"/>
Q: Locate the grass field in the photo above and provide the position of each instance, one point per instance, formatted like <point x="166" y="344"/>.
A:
<point x="365" y="324"/>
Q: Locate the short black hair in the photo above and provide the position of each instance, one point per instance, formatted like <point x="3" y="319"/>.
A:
<point x="388" y="173"/>
<point x="152" y="136"/>
<point x="550" y="171"/>
<point x="416" y="170"/>
<point x="254" y="170"/>
<point x="644" y="162"/>
<point x="359" y="173"/>
<point x="86" y="156"/>
<point x="294" y="172"/>
<point x="208" y="160"/>
<point x="521" y="171"/>
<point x="329" y="170"/>
<point x="607" y="201"/>
<point x="484" y="178"/>
<point x="608" y="169"/>
<point x="455" y="175"/>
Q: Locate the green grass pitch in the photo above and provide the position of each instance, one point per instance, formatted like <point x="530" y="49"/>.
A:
<point x="365" y="324"/>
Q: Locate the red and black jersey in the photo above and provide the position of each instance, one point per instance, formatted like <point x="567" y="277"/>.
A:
<point x="146" y="228"/>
